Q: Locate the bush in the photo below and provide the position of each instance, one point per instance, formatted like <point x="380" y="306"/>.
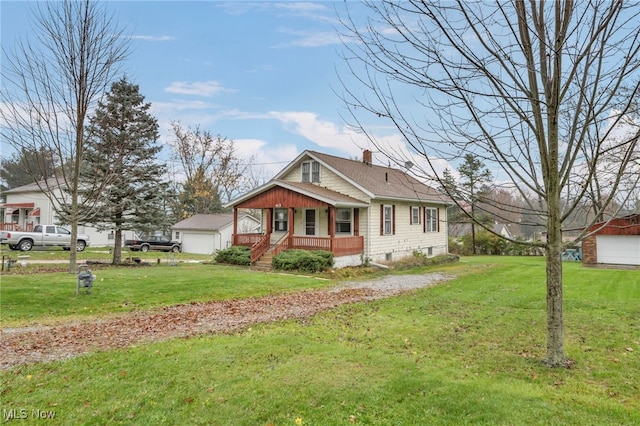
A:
<point x="303" y="260"/>
<point x="235" y="255"/>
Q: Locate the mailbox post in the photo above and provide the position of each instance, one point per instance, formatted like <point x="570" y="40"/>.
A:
<point x="85" y="278"/>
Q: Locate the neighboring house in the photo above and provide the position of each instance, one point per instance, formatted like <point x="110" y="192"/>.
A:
<point x="460" y="229"/>
<point x="359" y="211"/>
<point x="208" y="233"/>
<point x="614" y="243"/>
<point x="502" y="230"/>
<point x="27" y="206"/>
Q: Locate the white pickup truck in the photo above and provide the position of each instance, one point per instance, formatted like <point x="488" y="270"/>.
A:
<point x="42" y="236"/>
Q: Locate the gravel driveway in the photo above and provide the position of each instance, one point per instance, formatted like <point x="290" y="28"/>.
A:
<point x="47" y="343"/>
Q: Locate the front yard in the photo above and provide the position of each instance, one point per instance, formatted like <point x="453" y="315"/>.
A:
<point x="465" y="351"/>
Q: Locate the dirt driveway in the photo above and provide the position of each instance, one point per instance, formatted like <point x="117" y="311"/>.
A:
<point x="41" y="344"/>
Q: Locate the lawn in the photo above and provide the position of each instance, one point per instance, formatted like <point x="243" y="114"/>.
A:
<point x="464" y="352"/>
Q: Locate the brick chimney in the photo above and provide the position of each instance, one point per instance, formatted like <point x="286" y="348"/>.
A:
<point x="366" y="157"/>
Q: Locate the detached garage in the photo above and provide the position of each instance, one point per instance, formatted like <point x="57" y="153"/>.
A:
<point x="616" y="243"/>
<point x="208" y="233"/>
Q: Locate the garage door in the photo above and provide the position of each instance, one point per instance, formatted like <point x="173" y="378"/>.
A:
<point x="618" y="249"/>
<point x="198" y="243"/>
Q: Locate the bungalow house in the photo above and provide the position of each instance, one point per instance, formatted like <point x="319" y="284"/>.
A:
<point x="355" y="209"/>
<point x="26" y="206"/>
<point x="208" y="233"/>
<point x="613" y="243"/>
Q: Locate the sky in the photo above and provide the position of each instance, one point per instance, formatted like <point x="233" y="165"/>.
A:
<point x="263" y="74"/>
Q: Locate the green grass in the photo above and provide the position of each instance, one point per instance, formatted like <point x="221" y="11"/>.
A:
<point x="49" y="297"/>
<point x="464" y="352"/>
<point x="99" y="254"/>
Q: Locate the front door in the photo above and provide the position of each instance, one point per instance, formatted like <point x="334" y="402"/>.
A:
<point x="310" y="222"/>
<point x="280" y="220"/>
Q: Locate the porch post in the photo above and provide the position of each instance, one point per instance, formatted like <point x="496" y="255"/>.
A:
<point x="356" y="222"/>
<point x="291" y="227"/>
<point x="235" y="225"/>
<point x="269" y="227"/>
<point x="332" y="226"/>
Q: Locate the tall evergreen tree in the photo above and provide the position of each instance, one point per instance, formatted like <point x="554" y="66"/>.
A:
<point x="121" y="154"/>
<point x="473" y="178"/>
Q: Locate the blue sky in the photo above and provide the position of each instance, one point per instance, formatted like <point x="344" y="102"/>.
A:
<point x="260" y="73"/>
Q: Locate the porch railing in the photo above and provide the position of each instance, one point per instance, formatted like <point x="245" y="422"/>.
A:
<point x="260" y="248"/>
<point x="246" y="239"/>
<point x="339" y="246"/>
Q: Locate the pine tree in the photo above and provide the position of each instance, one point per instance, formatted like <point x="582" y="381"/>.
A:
<point x="120" y="161"/>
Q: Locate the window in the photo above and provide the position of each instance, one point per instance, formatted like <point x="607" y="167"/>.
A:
<point x="431" y="220"/>
<point x="280" y="220"/>
<point x="343" y="221"/>
<point x="177" y="235"/>
<point x="311" y="171"/>
<point x="388" y="220"/>
<point x="415" y="215"/>
<point x="310" y="222"/>
<point x="50" y="230"/>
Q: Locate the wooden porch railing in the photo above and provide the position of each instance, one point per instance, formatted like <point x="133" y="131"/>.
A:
<point x="8" y="226"/>
<point x="281" y="246"/>
<point x="345" y="246"/>
<point x="260" y="243"/>
<point x="246" y="239"/>
<point x="340" y="246"/>
<point x="260" y="248"/>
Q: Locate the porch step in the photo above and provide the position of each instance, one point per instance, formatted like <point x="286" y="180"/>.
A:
<point x="263" y="264"/>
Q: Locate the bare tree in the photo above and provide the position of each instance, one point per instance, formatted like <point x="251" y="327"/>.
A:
<point x="529" y="88"/>
<point x="213" y="172"/>
<point x="52" y="81"/>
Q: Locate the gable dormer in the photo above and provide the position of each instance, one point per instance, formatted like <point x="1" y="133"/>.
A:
<point x="310" y="171"/>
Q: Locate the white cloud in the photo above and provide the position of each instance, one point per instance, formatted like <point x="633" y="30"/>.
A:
<point x="197" y="88"/>
<point x="323" y="133"/>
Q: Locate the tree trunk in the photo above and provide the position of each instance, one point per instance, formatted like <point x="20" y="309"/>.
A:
<point x="555" y="322"/>
<point x="117" y="247"/>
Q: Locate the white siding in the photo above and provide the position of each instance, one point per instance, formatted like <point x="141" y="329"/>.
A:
<point x="407" y="238"/>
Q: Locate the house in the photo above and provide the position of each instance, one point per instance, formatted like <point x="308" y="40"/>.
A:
<point x="355" y="209"/>
<point x="208" y="233"/>
<point x="26" y="206"/>
<point x="614" y="243"/>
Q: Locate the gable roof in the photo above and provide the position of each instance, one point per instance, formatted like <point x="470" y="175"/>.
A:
<point x="375" y="181"/>
<point x="52" y="182"/>
<point x="309" y="189"/>
<point x="205" y="222"/>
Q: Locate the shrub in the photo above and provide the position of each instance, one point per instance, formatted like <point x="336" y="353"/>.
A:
<point x="303" y="260"/>
<point x="235" y="255"/>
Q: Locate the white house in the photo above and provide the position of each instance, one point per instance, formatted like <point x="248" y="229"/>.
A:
<point x="208" y="233"/>
<point x="355" y="209"/>
<point x="27" y="206"/>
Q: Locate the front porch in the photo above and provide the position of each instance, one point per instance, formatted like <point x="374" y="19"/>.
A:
<point x="261" y="244"/>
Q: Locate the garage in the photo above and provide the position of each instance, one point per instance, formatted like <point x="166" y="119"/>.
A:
<point x="615" y="242"/>
<point x="618" y="249"/>
<point x="198" y="243"/>
<point x="208" y="233"/>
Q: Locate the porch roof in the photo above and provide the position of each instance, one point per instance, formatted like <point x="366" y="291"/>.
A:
<point x="316" y="192"/>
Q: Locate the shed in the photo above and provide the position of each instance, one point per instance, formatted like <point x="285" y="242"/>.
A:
<point x="208" y="233"/>
<point x="614" y="243"/>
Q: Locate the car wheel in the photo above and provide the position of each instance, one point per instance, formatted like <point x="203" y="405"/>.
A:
<point x="13" y="247"/>
<point x="25" y="245"/>
<point x="175" y="249"/>
<point x="80" y="245"/>
<point x="144" y="249"/>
